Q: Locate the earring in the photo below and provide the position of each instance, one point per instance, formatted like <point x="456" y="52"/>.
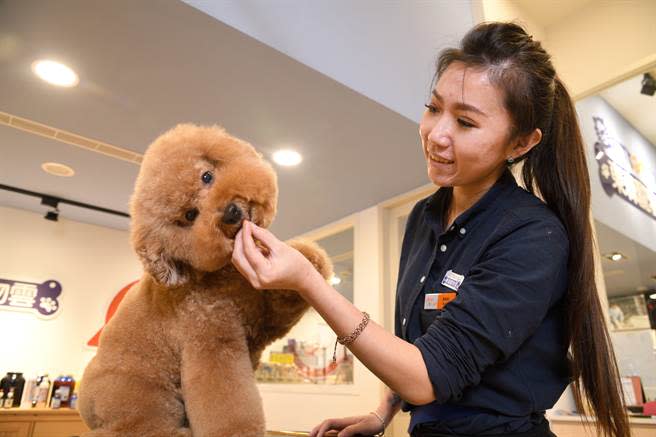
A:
<point x="510" y="160"/>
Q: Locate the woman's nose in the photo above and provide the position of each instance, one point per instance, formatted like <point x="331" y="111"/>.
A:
<point x="440" y="134"/>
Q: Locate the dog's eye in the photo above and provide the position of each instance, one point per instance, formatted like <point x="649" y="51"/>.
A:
<point x="207" y="177"/>
<point x="191" y="214"/>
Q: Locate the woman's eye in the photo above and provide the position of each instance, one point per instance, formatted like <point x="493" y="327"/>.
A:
<point x="191" y="215"/>
<point x="431" y="108"/>
<point x="207" y="177"/>
<point x="465" y="123"/>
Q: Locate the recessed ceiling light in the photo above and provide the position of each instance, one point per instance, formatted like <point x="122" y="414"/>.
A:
<point x="615" y="256"/>
<point x="287" y="157"/>
<point x="57" y="169"/>
<point x="652" y="296"/>
<point x="335" y="280"/>
<point x="55" y="73"/>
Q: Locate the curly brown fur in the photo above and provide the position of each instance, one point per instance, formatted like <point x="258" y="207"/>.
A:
<point x="177" y="358"/>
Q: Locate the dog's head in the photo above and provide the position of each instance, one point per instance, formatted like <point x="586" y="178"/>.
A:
<point x="195" y="187"/>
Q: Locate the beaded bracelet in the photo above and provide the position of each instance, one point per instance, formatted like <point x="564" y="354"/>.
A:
<point x="348" y="339"/>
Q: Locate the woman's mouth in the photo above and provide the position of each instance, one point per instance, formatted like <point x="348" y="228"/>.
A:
<point x="439" y="160"/>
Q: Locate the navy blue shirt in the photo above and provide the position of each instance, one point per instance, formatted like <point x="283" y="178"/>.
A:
<point x="496" y="355"/>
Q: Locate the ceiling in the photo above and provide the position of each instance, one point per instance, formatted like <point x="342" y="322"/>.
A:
<point x="638" y="109"/>
<point x="145" y="66"/>
<point x="548" y="13"/>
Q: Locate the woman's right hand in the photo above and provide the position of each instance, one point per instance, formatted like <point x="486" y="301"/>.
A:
<point x="366" y="425"/>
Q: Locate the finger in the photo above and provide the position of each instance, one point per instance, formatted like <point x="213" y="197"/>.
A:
<point x="265" y="236"/>
<point x="241" y="263"/>
<point x="325" y="426"/>
<point x="251" y="252"/>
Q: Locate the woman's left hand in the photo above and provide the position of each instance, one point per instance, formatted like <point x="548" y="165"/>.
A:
<point x="280" y="266"/>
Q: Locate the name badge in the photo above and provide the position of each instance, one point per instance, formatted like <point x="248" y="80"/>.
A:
<point x="452" y="280"/>
<point x="437" y="301"/>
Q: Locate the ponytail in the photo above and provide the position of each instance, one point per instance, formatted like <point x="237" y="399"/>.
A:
<point x="558" y="167"/>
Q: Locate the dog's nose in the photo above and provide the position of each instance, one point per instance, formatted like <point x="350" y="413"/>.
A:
<point x="232" y="214"/>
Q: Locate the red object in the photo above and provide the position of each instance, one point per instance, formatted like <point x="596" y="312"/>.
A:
<point x="110" y="312"/>
<point x="64" y="386"/>
<point x="649" y="408"/>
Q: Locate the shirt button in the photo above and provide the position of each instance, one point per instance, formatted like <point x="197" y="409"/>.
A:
<point x="403" y="321"/>
<point x="423" y="278"/>
<point x="443" y="248"/>
<point x="463" y="231"/>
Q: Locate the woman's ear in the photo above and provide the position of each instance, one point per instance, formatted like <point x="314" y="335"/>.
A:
<point x="526" y="143"/>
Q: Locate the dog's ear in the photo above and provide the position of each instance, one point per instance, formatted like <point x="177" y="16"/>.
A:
<point x="167" y="271"/>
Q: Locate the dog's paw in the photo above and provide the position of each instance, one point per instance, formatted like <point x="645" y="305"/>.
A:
<point x="316" y="255"/>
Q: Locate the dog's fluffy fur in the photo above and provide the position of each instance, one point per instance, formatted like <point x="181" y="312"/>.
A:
<point x="177" y="358"/>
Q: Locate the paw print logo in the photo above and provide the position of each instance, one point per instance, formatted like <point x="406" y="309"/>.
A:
<point x="48" y="304"/>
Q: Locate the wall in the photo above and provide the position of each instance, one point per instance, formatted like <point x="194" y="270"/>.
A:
<point x="92" y="263"/>
<point x="613" y="210"/>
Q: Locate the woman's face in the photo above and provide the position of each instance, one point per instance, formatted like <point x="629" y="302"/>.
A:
<point x="465" y="130"/>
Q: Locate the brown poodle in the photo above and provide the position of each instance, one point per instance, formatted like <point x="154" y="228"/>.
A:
<point x="177" y="358"/>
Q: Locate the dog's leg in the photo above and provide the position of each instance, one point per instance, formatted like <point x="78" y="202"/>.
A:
<point x="218" y="388"/>
<point x="114" y="404"/>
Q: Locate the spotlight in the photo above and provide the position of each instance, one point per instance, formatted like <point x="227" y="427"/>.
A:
<point x="52" y="215"/>
<point x="615" y="256"/>
<point x="648" y="85"/>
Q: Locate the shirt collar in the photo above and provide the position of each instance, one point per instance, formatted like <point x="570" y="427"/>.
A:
<point x="438" y="201"/>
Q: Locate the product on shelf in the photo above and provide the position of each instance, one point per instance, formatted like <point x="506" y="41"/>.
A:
<point x="63" y="388"/>
<point x="43" y="388"/>
<point x="12" y="383"/>
<point x="35" y="393"/>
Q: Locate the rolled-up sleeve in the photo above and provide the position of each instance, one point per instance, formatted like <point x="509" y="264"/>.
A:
<point x="501" y="302"/>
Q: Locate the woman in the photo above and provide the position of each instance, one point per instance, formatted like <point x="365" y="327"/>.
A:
<point x="495" y="285"/>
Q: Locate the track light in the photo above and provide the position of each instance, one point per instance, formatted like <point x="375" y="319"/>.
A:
<point x="648" y="85"/>
<point x="52" y="202"/>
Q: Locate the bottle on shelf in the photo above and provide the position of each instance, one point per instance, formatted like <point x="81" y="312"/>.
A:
<point x="43" y="389"/>
<point x="9" y="399"/>
<point x="28" y="393"/>
<point x="56" y="400"/>
<point x="73" y="401"/>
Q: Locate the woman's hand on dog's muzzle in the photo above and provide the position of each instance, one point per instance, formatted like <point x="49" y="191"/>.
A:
<point x="283" y="267"/>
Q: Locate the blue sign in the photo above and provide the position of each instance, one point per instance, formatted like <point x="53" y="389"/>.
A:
<point x="42" y="299"/>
